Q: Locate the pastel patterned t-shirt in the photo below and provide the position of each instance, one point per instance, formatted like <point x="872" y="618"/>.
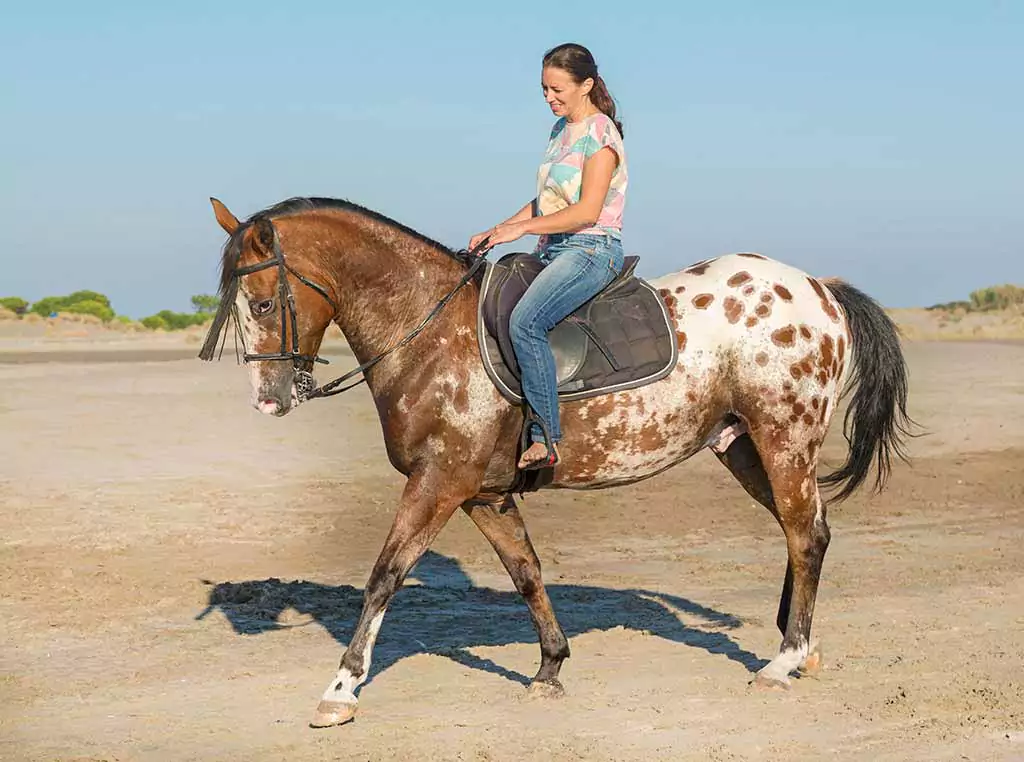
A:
<point x="560" y="177"/>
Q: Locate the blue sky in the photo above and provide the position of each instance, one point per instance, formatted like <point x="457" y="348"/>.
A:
<point x="880" y="142"/>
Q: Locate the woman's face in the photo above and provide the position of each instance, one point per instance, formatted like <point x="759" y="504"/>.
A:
<point x="564" y="96"/>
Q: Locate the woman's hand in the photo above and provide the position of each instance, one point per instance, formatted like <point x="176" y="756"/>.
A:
<point x="479" y="237"/>
<point x="506" y="232"/>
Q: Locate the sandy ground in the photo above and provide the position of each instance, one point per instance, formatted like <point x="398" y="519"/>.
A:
<point x="180" y="575"/>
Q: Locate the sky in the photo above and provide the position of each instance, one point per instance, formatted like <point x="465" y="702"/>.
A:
<point x="878" y="141"/>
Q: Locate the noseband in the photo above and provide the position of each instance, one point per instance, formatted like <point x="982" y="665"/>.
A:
<point x="305" y="384"/>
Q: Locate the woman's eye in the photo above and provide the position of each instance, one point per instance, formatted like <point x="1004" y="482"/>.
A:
<point x="261" y="308"/>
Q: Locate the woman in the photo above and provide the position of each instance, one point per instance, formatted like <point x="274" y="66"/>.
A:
<point x="581" y="193"/>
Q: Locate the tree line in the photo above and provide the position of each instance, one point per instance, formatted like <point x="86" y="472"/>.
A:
<point x="98" y="305"/>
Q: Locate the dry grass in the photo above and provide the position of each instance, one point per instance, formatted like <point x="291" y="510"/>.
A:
<point x="959" y="324"/>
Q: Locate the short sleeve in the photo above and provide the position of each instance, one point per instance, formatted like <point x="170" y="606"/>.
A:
<point x="603" y="134"/>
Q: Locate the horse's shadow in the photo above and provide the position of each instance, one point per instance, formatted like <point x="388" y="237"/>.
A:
<point x="447" y="614"/>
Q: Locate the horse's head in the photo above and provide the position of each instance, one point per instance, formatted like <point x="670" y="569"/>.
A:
<point x="280" y="309"/>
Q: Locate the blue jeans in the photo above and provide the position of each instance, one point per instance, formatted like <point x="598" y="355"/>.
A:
<point x="578" y="267"/>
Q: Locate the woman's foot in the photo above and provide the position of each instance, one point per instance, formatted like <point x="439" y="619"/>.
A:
<point x="537" y="456"/>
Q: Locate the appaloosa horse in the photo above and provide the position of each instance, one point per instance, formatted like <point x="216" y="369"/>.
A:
<point x="764" y="354"/>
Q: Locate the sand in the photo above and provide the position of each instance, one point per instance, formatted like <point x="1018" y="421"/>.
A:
<point x="180" y="576"/>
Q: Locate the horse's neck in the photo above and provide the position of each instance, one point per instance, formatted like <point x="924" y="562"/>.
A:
<point x="387" y="283"/>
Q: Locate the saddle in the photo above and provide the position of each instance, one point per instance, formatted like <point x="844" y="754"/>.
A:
<point x="621" y="339"/>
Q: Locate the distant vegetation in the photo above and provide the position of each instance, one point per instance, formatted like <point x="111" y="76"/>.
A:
<point x="987" y="300"/>
<point x="98" y="306"/>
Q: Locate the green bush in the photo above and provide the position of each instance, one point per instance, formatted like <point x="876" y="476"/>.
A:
<point x="154" y="323"/>
<point x="91" y="307"/>
<point x="175" y="321"/>
<point x="15" y="304"/>
<point x="951" y="306"/>
<point x="88" y="296"/>
<point x="205" y="303"/>
<point x="997" y="297"/>
<point x="53" y="304"/>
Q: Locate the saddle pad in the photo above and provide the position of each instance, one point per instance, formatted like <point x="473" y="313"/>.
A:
<point x="621" y="339"/>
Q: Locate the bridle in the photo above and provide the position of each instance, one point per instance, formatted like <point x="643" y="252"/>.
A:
<point x="305" y="383"/>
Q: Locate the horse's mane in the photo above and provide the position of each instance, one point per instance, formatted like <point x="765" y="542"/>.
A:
<point x="298" y="205"/>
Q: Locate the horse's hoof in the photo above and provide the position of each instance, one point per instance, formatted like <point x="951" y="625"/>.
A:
<point x="545" y="689"/>
<point x="330" y="713"/>
<point x="764" y="682"/>
<point x="813" y="663"/>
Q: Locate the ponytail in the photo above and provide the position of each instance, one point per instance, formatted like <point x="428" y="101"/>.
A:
<point x="601" y="98"/>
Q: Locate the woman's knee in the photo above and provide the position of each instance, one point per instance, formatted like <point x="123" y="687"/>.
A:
<point x="523" y="324"/>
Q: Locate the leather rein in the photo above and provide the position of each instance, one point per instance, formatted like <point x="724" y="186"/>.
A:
<point x="305" y="383"/>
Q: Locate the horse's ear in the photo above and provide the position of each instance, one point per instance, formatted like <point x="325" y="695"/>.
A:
<point x="263" y="237"/>
<point x="227" y="220"/>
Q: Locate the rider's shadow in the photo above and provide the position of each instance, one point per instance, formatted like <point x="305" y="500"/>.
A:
<point x="447" y="614"/>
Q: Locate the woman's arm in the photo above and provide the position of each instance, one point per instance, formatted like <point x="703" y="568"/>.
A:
<point x="522" y="215"/>
<point x="597" y="178"/>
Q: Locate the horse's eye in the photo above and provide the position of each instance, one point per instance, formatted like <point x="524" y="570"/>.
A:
<point x="261" y="308"/>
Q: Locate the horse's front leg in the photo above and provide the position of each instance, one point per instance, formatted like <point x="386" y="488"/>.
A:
<point x="423" y="511"/>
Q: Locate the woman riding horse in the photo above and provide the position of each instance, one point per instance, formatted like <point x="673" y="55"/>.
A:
<point x="581" y="193"/>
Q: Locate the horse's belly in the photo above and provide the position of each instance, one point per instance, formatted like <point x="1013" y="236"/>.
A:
<point x="632" y="435"/>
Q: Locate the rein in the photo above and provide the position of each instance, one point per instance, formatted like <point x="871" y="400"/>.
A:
<point x="305" y="384"/>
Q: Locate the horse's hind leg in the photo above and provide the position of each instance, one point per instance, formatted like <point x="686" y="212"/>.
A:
<point x="502" y="524"/>
<point x="807" y="540"/>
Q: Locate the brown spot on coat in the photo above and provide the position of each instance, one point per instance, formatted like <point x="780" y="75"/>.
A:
<point x="824" y="409"/>
<point x="783" y="292"/>
<point x="700" y="268"/>
<point x="761" y="358"/>
<point x="691" y="397"/>
<point x="784" y="337"/>
<point x="766" y="297"/>
<point x="670" y="302"/>
<point x="795" y="372"/>
<point x="805" y="332"/>
<point x="841" y="348"/>
<point x="680" y="289"/>
<point x="748" y="290"/>
<point x="738" y="279"/>
<point x="815" y="403"/>
<point x="733" y="309"/>
<point x="681" y="340"/>
<point x="806" y="367"/>
<point x="703" y="301"/>
<point x="799" y="408"/>
<point x="827" y="356"/>
<point x="826" y="305"/>
<point x="751" y="255"/>
<point x="763" y="310"/>
<point x="823" y="378"/>
<point x="808" y="418"/>
<point x="751" y="321"/>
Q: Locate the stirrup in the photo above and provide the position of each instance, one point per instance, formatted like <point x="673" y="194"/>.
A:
<point x="551" y="460"/>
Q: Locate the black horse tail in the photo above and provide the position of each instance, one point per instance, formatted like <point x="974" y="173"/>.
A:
<point x="876" y="420"/>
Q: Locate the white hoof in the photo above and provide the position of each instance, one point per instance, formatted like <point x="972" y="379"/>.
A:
<point x="331" y="713"/>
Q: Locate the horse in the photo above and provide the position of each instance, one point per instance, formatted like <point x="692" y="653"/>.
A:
<point x="765" y="354"/>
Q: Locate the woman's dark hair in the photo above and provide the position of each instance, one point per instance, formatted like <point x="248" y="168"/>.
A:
<point x="580" y="64"/>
